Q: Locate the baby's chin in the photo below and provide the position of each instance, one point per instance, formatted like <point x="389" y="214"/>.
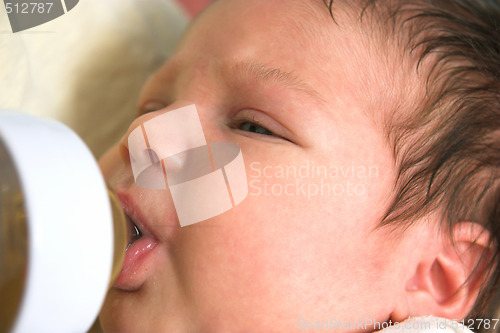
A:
<point x="154" y="306"/>
<point x="121" y="311"/>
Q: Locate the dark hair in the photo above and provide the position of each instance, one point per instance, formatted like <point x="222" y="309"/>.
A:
<point x="447" y="148"/>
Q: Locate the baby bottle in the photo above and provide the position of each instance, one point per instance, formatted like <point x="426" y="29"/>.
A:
<point x="63" y="234"/>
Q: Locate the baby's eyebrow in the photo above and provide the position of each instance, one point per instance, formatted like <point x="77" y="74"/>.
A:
<point x="268" y="74"/>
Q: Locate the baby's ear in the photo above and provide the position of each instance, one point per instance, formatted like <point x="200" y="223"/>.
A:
<point x="446" y="281"/>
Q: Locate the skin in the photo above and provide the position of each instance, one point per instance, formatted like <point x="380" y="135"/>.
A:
<point x="274" y="259"/>
<point x="193" y="7"/>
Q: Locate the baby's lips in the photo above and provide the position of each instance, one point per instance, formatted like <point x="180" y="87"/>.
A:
<point x="152" y="211"/>
<point x="135" y="266"/>
<point x="131" y="199"/>
<point x="138" y="257"/>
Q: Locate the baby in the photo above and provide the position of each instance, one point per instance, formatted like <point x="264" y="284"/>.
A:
<point x="370" y="134"/>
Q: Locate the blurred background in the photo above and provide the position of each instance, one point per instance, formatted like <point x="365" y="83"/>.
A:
<point x="86" y="68"/>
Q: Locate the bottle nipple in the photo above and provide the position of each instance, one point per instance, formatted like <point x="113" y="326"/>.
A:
<point x="121" y="235"/>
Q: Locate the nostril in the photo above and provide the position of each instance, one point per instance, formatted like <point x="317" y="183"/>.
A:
<point x="153" y="156"/>
<point x="151" y="107"/>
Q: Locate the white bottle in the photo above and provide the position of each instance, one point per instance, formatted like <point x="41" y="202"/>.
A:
<point x="62" y="232"/>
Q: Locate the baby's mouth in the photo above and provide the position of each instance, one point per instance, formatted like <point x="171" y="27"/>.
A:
<point x="133" y="231"/>
<point x="138" y="262"/>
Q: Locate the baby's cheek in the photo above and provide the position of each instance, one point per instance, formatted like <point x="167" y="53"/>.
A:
<point x="235" y="262"/>
<point x="282" y="254"/>
<point x="263" y="262"/>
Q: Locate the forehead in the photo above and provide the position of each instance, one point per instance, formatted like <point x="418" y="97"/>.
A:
<point x="294" y="35"/>
<point x="272" y="25"/>
<point x="341" y="59"/>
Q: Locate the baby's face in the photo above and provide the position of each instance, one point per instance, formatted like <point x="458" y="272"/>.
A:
<point x="301" y="248"/>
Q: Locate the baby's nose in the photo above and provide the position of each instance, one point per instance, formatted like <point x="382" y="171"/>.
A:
<point x="169" y="151"/>
<point x="161" y="146"/>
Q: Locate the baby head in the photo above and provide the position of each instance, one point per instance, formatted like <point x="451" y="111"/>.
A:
<point x="370" y="135"/>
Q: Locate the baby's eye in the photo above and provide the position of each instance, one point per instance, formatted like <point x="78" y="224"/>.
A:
<point x="258" y="125"/>
<point x="254" y="128"/>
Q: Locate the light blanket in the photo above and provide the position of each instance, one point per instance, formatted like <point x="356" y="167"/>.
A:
<point x="86" y="68"/>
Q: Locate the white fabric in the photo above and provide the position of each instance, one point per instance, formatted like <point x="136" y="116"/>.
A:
<point x="86" y="68"/>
